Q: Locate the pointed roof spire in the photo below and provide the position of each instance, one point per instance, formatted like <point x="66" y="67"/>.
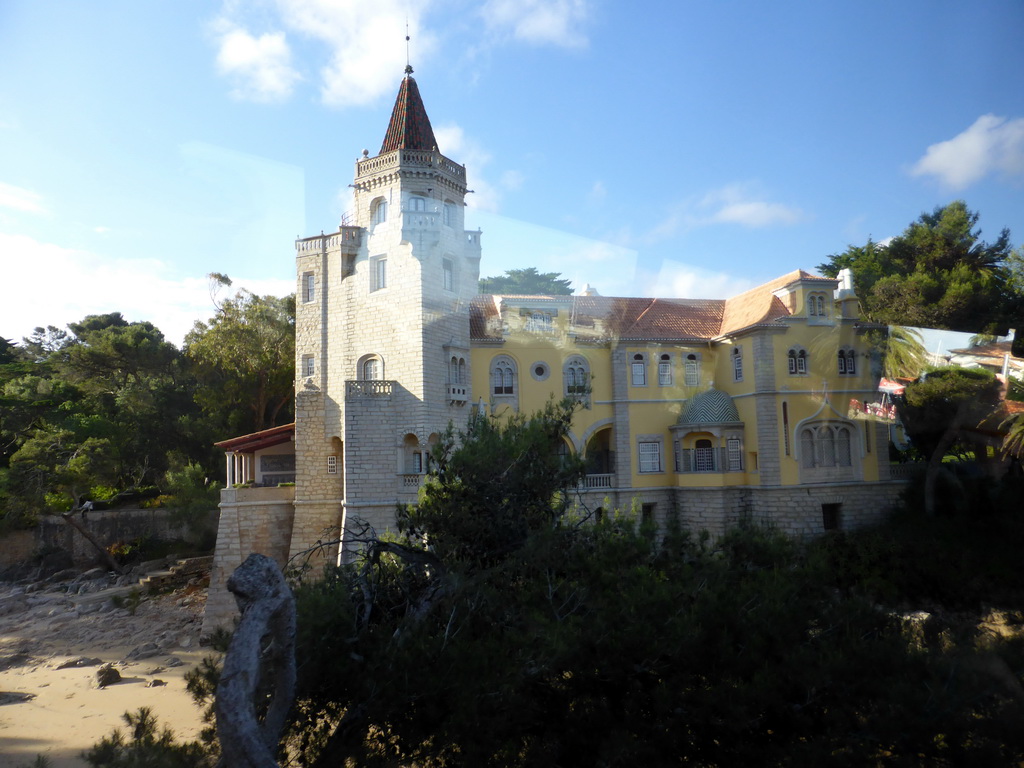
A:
<point x="409" y="127"/>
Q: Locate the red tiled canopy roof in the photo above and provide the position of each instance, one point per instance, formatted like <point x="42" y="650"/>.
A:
<point x="409" y="127"/>
<point x="257" y="441"/>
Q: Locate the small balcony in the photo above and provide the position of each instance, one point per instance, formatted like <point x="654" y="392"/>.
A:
<point x="458" y="393"/>
<point x="597" y="482"/>
<point x="375" y="388"/>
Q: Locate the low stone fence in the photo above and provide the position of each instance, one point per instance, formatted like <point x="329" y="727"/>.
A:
<point x="108" y="526"/>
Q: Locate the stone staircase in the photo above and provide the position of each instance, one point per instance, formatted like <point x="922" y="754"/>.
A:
<point x="169" y="573"/>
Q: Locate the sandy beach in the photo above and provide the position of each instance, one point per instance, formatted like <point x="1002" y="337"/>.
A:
<point x="58" y="713"/>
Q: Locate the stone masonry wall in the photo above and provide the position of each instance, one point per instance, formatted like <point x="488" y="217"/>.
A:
<point x="251" y="520"/>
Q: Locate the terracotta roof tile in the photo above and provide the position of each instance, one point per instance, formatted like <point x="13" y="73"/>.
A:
<point x="409" y="127"/>
<point x="648" y="318"/>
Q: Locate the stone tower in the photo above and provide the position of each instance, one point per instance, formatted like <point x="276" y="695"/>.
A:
<point x="382" y="333"/>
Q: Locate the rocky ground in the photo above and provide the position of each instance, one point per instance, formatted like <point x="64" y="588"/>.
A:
<point x="57" y="634"/>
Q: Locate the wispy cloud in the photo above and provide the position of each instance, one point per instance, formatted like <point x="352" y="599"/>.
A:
<point x="991" y="145"/>
<point x="678" y="280"/>
<point x="87" y="283"/>
<point x="259" y="67"/>
<point x="538" y="22"/>
<point x="362" y="42"/>
<point x="21" y="199"/>
<point x="732" y="204"/>
<point x="453" y="142"/>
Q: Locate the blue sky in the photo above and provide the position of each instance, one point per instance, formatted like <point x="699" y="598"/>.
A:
<point x="679" y="148"/>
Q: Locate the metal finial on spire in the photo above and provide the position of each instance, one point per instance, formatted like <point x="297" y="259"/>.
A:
<point x="408" y="66"/>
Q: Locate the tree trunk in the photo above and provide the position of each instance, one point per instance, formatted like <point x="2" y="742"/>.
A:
<point x="268" y="610"/>
<point x="70" y="520"/>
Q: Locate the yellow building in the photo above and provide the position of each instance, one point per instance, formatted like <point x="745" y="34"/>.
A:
<point x="711" y="411"/>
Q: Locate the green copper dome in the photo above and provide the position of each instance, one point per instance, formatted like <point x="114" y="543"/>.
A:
<point x="711" y="407"/>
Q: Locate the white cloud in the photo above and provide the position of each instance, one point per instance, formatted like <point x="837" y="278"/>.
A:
<point x="991" y="145"/>
<point x="598" y="191"/>
<point x="453" y="142"/>
<point x="260" y="67"/>
<point x="20" y="199"/>
<point x="539" y="22"/>
<point x="732" y="204"/>
<point x="512" y="180"/>
<point x="80" y="283"/>
<point x="363" y="44"/>
<point x="678" y="280"/>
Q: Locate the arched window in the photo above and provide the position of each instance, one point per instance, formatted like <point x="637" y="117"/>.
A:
<point x="576" y="376"/>
<point x="737" y="364"/>
<point x="826" y="445"/>
<point x="691" y="368"/>
<point x="380" y="211"/>
<point x="417" y="203"/>
<point x="371" y="369"/>
<point x="807" y="448"/>
<point x="503" y="376"/>
<point x="462" y="370"/>
<point x="846" y="360"/>
<point x="843" y="458"/>
<point x="638" y="370"/>
<point x="797" y="359"/>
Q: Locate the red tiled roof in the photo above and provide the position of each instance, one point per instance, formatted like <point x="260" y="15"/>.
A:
<point x="258" y="440"/>
<point x="651" y="319"/>
<point x="409" y="127"/>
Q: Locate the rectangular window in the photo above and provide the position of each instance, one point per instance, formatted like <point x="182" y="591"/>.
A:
<point x="449" y="274"/>
<point x="830" y="516"/>
<point x="449" y="214"/>
<point x="665" y="374"/>
<point x="650" y="456"/>
<point x="735" y="454"/>
<point x="677" y="455"/>
<point x="692" y="372"/>
<point x="378" y="273"/>
<point x="737" y="365"/>
<point x="639" y="374"/>
<point x="308" y="365"/>
<point x="308" y="287"/>
<point x="647" y="513"/>
<point x="539" y="322"/>
<point x="332" y="465"/>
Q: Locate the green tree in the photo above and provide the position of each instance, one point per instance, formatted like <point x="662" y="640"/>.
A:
<point x="938" y="273"/>
<point x="244" y="359"/>
<point x="936" y="410"/>
<point x="527" y="282"/>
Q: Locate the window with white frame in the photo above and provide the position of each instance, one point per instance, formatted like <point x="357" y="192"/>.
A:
<point x="665" y="371"/>
<point x="825" y="445"/>
<point x="448" y="274"/>
<point x="734" y="453"/>
<point x="797" y="362"/>
<point x="308" y="366"/>
<point x="538" y="322"/>
<point x="332" y="465"/>
<point x="691" y="370"/>
<point x="847" y="362"/>
<point x="380" y="212"/>
<point x="308" y="287"/>
<point x="638" y="371"/>
<point x="704" y="456"/>
<point x="649" y="455"/>
<point x="378" y="273"/>
<point x="817" y="306"/>
<point x="503" y="376"/>
<point x="737" y="364"/>
<point x="371" y="369"/>
<point x="457" y="370"/>
<point x="576" y="375"/>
